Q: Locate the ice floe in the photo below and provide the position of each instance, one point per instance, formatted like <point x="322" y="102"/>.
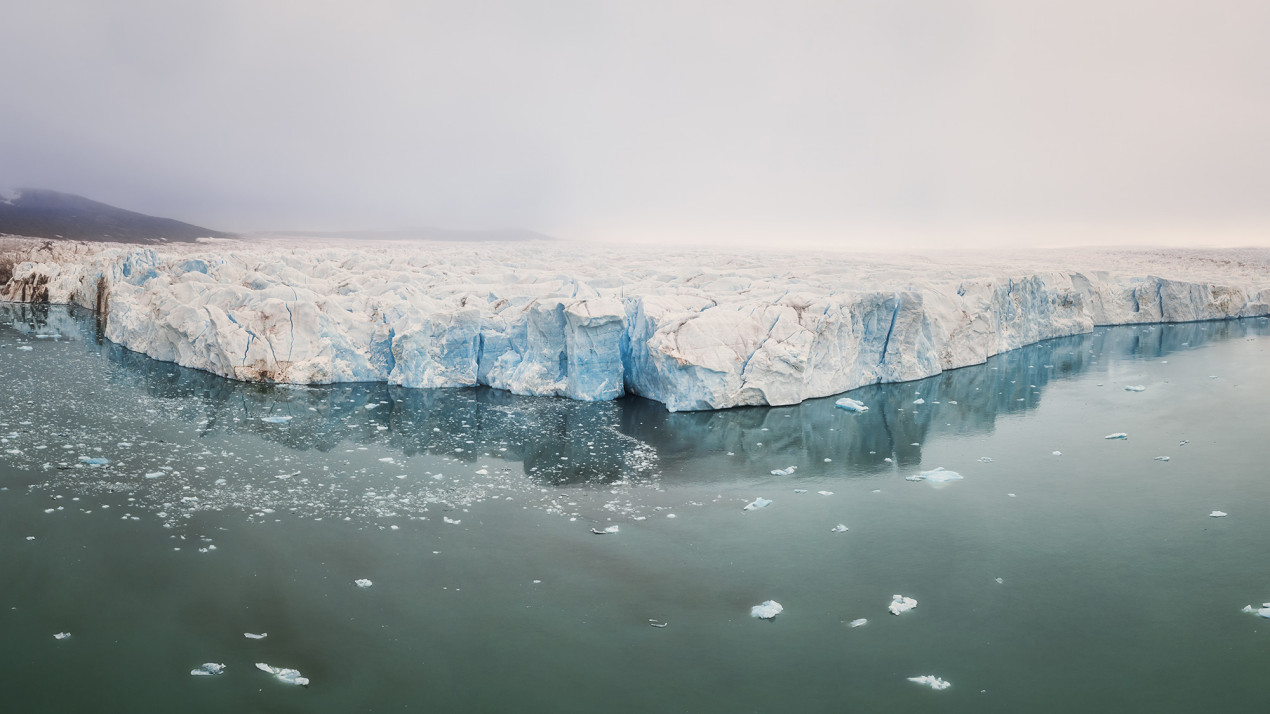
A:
<point x="768" y="610"/>
<point x="254" y="636"/>
<point x="861" y="622"/>
<point x="840" y="528"/>
<point x="757" y="503"/>
<point x="936" y="475"/>
<point x="207" y="669"/>
<point x="607" y="530"/>
<point x="851" y="405"/>
<point x="61" y="635"/>
<point x="1117" y="435"/>
<point x="785" y="471"/>
<point x="1135" y="388"/>
<point x="901" y="604"/>
<point x="931" y="680"/>
<point x="362" y="583"/>
<point x="283" y="674"/>
<point x="1217" y="514"/>
<point x="1263" y="611"/>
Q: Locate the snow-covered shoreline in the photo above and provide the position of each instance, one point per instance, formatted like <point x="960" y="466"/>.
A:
<point x="693" y="330"/>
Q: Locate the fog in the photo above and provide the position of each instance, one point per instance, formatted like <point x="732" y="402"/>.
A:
<point x="856" y="124"/>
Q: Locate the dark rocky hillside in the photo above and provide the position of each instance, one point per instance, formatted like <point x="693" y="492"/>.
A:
<point x="41" y="213"/>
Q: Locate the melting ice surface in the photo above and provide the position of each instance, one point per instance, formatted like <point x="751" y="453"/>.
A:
<point x="766" y="610"/>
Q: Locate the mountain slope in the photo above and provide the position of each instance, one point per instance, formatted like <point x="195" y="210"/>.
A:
<point x="41" y="213"/>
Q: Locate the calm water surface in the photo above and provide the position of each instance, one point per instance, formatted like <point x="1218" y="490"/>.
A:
<point x="471" y="511"/>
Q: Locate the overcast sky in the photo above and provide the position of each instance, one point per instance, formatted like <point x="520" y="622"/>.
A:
<point x="917" y="122"/>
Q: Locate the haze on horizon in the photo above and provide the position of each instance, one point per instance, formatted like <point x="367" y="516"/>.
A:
<point x="857" y="123"/>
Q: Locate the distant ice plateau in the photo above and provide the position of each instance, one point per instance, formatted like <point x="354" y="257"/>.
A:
<point x="694" y="330"/>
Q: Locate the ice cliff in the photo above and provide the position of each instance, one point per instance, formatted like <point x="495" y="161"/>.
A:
<point x="691" y="330"/>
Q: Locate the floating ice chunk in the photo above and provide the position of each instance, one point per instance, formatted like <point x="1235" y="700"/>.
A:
<point x="1058" y="453"/>
<point x="154" y="474"/>
<point x="1000" y="581"/>
<point x="451" y="521"/>
<point x="25" y="348"/>
<point x="610" y="529"/>
<point x="362" y="583"/>
<point x="290" y="676"/>
<point x="1161" y="458"/>
<point x="61" y="635"/>
<point x="936" y="475"/>
<point x="785" y="471"/>
<point x="1135" y="388"/>
<point x="800" y="490"/>
<point x="767" y="611"/>
<point x="1117" y="435"/>
<point x="919" y="401"/>
<point x="931" y="680"/>
<point x="368" y="407"/>
<point x="851" y="405"/>
<point x="825" y="493"/>
<point x="93" y="460"/>
<point x="840" y="528"/>
<point x="1263" y="611"/>
<point x="858" y="623"/>
<point x="657" y="623"/>
<point x="1217" y="514"/>
<point x="757" y="503"/>
<point x="254" y="636"/>
<point x="207" y="669"/>
<point x="1183" y="442"/>
<point x="900" y="604"/>
<point x="387" y="459"/>
<point x="275" y="419"/>
<point x="985" y="459"/>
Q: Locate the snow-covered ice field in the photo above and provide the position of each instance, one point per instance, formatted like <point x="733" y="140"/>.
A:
<point x="694" y="330"/>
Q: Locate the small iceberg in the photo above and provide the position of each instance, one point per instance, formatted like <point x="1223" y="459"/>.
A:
<point x="1263" y="611"/>
<point x="207" y="669"/>
<point x="858" y="623"/>
<point x="606" y="531"/>
<point x="275" y="419"/>
<point x="936" y="475"/>
<point x="932" y="681"/>
<point x="657" y="623"/>
<point x="919" y="401"/>
<point x="840" y="528"/>
<point x="784" y="471"/>
<point x="254" y="636"/>
<point x="1162" y="458"/>
<point x="93" y="460"/>
<point x="851" y="405"/>
<point x="900" y="604"/>
<point x="61" y="635"/>
<point x="1217" y="514"/>
<point x="290" y="676"/>
<point x="1135" y="388"/>
<point x="451" y="521"/>
<point x="362" y="583"/>
<point x="757" y="503"/>
<point x="825" y="493"/>
<point x="1117" y="435"/>
<point x="767" y="611"/>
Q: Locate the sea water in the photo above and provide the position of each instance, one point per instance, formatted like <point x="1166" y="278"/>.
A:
<point x="157" y="514"/>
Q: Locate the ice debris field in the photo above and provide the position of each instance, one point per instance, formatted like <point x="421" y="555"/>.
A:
<point x="692" y="330"/>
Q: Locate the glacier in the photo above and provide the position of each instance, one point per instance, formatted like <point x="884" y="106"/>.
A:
<point x="694" y="330"/>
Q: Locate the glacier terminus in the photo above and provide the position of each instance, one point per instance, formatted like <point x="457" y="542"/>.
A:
<point x="694" y="330"/>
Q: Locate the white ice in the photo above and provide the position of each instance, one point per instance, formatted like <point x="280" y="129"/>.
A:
<point x="936" y="475"/>
<point x="362" y="583"/>
<point x="290" y="676"/>
<point x="693" y="330"/>
<point x="900" y="604"/>
<point x="851" y="405"/>
<point x="757" y="503"/>
<point x="207" y="669"/>
<point x="931" y="680"/>
<point x="1117" y="435"/>
<point x="767" y="610"/>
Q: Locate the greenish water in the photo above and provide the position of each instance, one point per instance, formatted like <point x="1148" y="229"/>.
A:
<point x="1117" y="592"/>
